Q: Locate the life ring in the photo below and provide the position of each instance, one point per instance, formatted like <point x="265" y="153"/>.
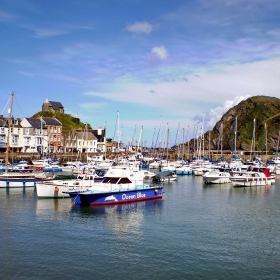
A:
<point x="56" y="189"/>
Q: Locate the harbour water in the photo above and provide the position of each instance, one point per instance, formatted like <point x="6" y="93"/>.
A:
<point x="196" y="232"/>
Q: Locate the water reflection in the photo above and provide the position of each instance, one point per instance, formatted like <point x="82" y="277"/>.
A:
<point x="23" y="192"/>
<point x="53" y="208"/>
<point x="121" y="218"/>
<point x="256" y="191"/>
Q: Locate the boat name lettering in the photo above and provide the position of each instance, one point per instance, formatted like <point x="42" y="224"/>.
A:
<point x="124" y="196"/>
<point x="138" y="195"/>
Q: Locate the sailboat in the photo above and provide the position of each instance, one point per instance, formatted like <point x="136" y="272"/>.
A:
<point x="14" y="180"/>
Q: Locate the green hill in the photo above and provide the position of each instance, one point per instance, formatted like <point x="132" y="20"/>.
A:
<point x="68" y="122"/>
<point x="266" y="112"/>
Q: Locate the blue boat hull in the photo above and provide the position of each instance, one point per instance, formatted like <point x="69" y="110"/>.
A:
<point x="52" y="169"/>
<point x="94" y="199"/>
<point x="183" y="172"/>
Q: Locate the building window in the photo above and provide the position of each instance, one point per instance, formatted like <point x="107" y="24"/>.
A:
<point x="15" y="139"/>
<point x="27" y="131"/>
<point x="2" y="130"/>
<point x="26" y="140"/>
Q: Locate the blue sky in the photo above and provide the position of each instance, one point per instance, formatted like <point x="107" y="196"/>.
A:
<point x="159" y="63"/>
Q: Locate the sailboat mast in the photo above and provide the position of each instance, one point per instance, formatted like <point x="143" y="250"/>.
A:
<point x="9" y="128"/>
<point x="277" y="149"/>
<point x="183" y="141"/>
<point x="222" y="127"/>
<point x="235" y="133"/>
<point x="118" y="131"/>
<point x="253" y="140"/>
<point x="104" y="140"/>
<point x="167" y="135"/>
<point x="265" y="125"/>
<point x="209" y="144"/>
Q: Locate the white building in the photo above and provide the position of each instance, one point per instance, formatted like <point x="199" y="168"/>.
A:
<point x="13" y="138"/>
<point x="81" y="141"/>
<point x="35" y="137"/>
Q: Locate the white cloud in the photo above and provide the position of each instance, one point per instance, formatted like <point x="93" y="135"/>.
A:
<point x="140" y="27"/>
<point x="160" y="52"/>
<point x="204" y="90"/>
<point x="214" y="115"/>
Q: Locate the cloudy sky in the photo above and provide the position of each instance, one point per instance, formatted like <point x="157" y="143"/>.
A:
<point x="159" y="63"/>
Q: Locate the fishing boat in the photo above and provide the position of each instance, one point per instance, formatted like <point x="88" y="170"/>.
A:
<point x="117" y="187"/>
<point x="216" y="177"/>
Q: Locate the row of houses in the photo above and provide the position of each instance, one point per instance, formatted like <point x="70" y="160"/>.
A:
<point x="45" y="135"/>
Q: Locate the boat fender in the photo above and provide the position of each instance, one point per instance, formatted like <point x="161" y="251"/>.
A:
<point x="156" y="190"/>
<point x="24" y="182"/>
<point x="56" y="189"/>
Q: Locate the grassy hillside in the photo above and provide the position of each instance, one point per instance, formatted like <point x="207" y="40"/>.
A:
<point x="266" y="113"/>
<point x="68" y="122"/>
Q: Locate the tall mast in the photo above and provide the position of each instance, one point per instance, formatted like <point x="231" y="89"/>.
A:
<point x="253" y="140"/>
<point x="140" y="139"/>
<point x="118" y="130"/>
<point x="167" y="135"/>
<point x="202" y="136"/>
<point x="104" y="140"/>
<point x="277" y="148"/>
<point x="265" y="125"/>
<point x="10" y="111"/>
<point x="222" y="127"/>
<point x="183" y="151"/>
<point x="178" y="129"/>
<point x="235" y="134"/>
<point x="188" y="136"/>
<point x="209" y="144"/>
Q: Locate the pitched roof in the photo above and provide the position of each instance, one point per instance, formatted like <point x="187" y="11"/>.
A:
<point x="36" y="123"/>
<point x="51" y="121"/>
<point x="56" y="105"/>
<point x="86" y="135"/>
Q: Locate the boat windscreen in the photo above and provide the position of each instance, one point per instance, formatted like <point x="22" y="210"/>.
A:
<point x="111" y="180"/>
<point x="124" y="181"/>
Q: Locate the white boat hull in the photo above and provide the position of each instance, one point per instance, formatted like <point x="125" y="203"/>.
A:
<point x="248" y="182"/>
<point x="215" y="180"/>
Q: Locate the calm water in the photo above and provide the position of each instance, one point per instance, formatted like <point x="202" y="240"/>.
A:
<point x="196" y="232"/>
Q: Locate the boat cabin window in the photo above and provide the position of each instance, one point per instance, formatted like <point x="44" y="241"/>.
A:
<point x="124" y="181"/>
<point x="113" y="180"/>
<point x="110" y="180"/>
